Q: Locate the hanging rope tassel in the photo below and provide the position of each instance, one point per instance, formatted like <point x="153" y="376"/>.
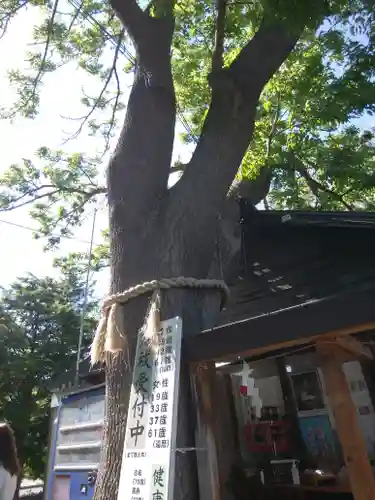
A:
<point x="98" y="345"/>
<point x="110" y="334"/>
<point x="116" y="336"/>
<point x="153" y="322"/>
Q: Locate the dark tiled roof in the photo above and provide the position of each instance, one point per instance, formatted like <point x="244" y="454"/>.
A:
<point x="292" y="258"/>
<point x="295" y="262"/>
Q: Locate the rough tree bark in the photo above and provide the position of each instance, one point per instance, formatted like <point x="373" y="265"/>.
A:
<point x="156" y="232"/>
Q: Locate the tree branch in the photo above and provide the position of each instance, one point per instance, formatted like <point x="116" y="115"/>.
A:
<point x="5" y="20"/>
<point x="253" y="191"/>
<point x="17" y="203"/>
<point x="316" y="186"/>
<point x="297" y="165"/>
<point x="259" y="60"/>
<point x="229" y="124"/>
<point x="32" y="99"/>
<point x="112" y="121"/>
<point x="40" y="192"/>
<point x="98" y="101"/>
<point x="131" y="15"/>
<point x="217" y="57"/>
<point x="273" y="131"/>
<point x="75" y="16"/>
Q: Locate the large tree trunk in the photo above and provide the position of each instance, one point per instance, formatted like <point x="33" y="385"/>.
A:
<point x="156" y="232"/>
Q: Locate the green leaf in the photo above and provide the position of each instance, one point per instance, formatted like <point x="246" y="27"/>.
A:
<point x="39" y="329"/>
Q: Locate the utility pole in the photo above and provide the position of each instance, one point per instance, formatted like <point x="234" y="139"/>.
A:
<point x="84" y="305"/>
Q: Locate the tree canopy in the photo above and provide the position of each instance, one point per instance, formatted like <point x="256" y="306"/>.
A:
<point x="39" y="329"/>
<point x="317" y="157"/>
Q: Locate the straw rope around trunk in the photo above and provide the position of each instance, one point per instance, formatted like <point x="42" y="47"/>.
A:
<point x="110" y="334"/>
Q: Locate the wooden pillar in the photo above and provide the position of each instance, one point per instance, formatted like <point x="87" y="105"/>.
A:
<point x="226" y="430"/>
<point x="353" y="445"/>
<point x="232" y="412"/>
<point x="207" y="453"/>
<point x="368" y="370"/>
<point x="291" y="410"/>
<point x="216" y="450"/>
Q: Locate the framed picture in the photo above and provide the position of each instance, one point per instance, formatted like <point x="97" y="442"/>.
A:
<point x="318" y="436"/>
<point x="308" y="391"/>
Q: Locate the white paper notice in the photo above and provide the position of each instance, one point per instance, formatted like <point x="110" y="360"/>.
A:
<point x="147" y="471"/>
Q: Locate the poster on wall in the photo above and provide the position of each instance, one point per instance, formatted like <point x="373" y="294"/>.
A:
<point x="147" y="470"/>
<point x="318" y="436"/>
<point x="308" y="391"/>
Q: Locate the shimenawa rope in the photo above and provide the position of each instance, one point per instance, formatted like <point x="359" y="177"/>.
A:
<point x="110" y="334"/>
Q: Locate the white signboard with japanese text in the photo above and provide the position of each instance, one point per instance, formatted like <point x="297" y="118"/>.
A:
<point x="147" y="471"/>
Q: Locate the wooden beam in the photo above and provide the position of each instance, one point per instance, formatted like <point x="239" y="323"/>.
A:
<point x="352" y="349"/>
<point x="353" y="445"/>
<point x="280" y="346"/>
<point x="295" y="326"/>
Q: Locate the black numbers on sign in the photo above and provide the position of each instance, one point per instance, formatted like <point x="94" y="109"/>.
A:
<point x="153" y="433"/>
<point x="154" y="420"/>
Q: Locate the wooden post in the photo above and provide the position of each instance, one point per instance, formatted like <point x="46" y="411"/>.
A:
<point x="226" y="430"/>
<point x="291" y="410"/>
<point x="207" y="453"/>
<point x="228" y="387"/>
<point x="353" y="445"/>
<point x="216" y="450"/>
<point x="368" y="370"/>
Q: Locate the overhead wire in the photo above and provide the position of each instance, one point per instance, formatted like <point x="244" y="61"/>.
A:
<point x="37" y="231"/>
<point x="85" y="297"/>
<point x="94" y="22"/>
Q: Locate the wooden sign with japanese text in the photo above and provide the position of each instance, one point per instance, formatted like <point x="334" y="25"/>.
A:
<point x="147" y="471"/>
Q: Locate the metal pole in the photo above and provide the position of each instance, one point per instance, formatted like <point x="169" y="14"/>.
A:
<point x="84" y="305"/>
